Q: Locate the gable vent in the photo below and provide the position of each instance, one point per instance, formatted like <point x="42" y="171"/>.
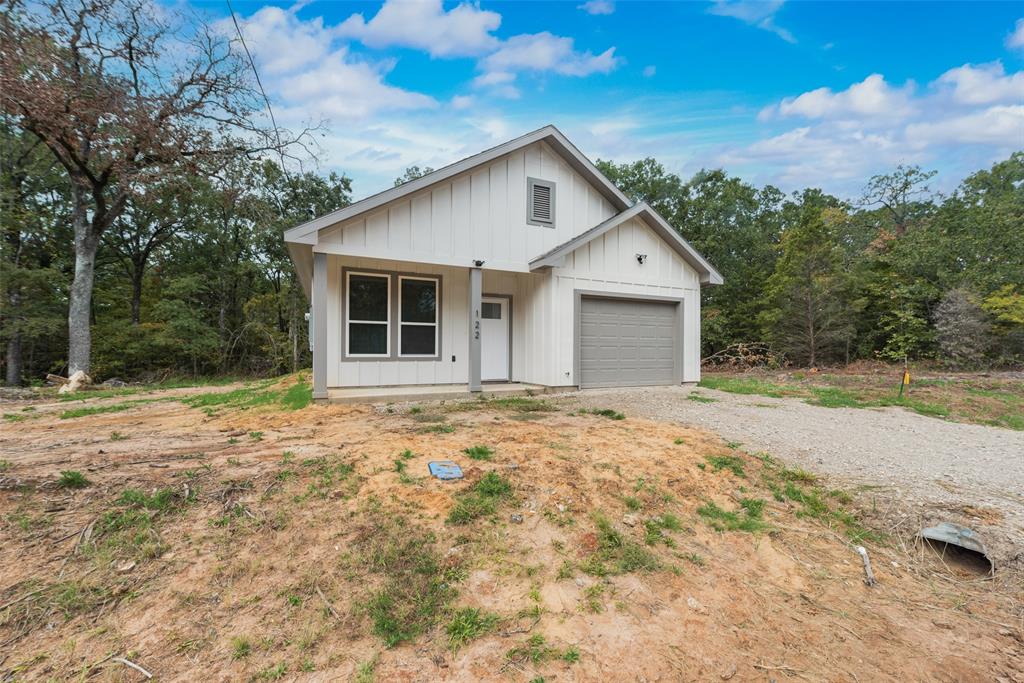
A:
<point x="542" y="202"/>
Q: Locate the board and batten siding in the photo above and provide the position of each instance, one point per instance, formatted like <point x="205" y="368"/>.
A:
<point x="529" y="342"/>
<point x="480" y="214"/>
<point x="609" y="264"/>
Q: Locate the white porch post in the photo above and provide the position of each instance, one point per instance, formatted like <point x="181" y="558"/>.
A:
<point x="319" y="326"/>
<point x="475" y="293"/>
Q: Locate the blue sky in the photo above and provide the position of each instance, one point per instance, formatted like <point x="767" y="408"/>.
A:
<point x="790" y="93"/>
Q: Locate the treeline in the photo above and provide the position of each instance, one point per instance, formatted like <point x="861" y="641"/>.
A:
<point x="902" y="273"/>
<point x="193" y="278"/>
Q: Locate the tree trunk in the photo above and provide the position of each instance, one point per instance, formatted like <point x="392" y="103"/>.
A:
<point x="138" y="272"/>
<point x="14" y="360"/>
<point x="80" y="296"/>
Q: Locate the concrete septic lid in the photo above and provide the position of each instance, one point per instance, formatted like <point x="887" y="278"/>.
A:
<point x="954" y="534"/>
<point x="445" y="470"/>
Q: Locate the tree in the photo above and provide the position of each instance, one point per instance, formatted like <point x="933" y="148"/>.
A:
<point x="806" y="314"/>
<point x="962" y="329"/>
<point x="120" y="97"/>
<point x="902" y="193"/>
<point x="412" y="173"/>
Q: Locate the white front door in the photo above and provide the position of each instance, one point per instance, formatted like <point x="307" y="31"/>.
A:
<point x="494" y="339"/>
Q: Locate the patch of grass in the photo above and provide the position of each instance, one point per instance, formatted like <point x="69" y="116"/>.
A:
<point x="117" y="436"/>
<point x="418" y="584"/>
<point x="482" y="500"/>
<point x="615" y="553"/>
<point x="86" y="411"/>
<point x="366" y="671"/>
<point x="298" y="395"/>
<point x="72" y="479"/>
<point x="161" y="500"/>
<point x="445" y="428"/>
<point x="592" y="598"/>
<point x="535" y="650"/>
<point x="516" y="404"/>
<point x="694" y="396"/>
<point x="241" y="647"/>
<point x="468" y="624"/>
<point x="256" y="436"/>
<point x="5" y="465"/>
<point x="479" y="452"/>
<point x="749" y="518"/>
<point x="14" y="417"/>
<point x="678" y="441"/>
<point x="733" y="463"/>
<point x="743" y="385"/>
<point x="656" y="526"/>
<point x="603" y="412"/>
<point x="633" y="503"/>
<point x="571" y="654"/>
<point x="273" y="673"/>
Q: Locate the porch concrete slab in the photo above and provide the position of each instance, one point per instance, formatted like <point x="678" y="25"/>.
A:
<point x="429" y="392"/>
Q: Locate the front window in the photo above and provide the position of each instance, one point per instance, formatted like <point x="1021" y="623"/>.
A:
<point x="417" y="330"/>
<point x="369" y="320"/>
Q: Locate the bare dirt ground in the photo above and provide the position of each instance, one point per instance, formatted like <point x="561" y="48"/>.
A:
<point x="245" y="541"/>
<point x="939" y="470"/>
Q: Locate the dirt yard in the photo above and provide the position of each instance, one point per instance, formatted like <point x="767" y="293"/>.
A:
<point x="237" y="534"/>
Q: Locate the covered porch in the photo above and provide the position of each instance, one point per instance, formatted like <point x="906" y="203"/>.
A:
<point x="462" y="337"/>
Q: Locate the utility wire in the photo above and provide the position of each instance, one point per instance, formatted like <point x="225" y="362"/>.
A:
<point x="270" y="109"/>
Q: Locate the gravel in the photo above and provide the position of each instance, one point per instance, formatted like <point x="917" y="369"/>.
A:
<point x="937" y="465"/>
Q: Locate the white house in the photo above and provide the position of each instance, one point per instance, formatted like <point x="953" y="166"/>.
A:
<point x="520" y="264"/>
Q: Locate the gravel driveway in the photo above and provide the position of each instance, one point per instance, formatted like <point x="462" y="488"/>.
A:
<point x="937" y="465"/>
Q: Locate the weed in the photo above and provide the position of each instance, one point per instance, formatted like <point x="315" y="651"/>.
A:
<point x="415" y="410"/>
<point x="656" y="526"/>
<point x="273" y="673"/>
<point x="444" y="428"/>
<point x="571" y="654"/>
<point x="694" y="558"/>
<point x="733" y="463"/>
<point x="365" y="672"/>
<point x="467" y="624"/>
<point x="14" y="417"/>
<point x="750" y="520"/>
<point x="603" y="412"/>
<point x="678" y="441"/>
<point x="418" y="584"/>
<point x="406" y="455"/>
<point x="117" y="436"/>
<point x="256" y="436"/>
<point x="403" y="476"/>
<point x="298" y="396"/>
<point x="159" y="501"/>
<point x="481" y="500"/>
<point x="565" y="571"/>
<point x="633" y="503"/>
<point x="479" y="452"/>
<point x="5" y="465"/>
<point x="616" y="554"/>
<point x="733" y="445"/>
<point x="72" y="479"/>
<point x="241" y="647"/>
<point x="592" y="596"/>
<point x="232" y="441"/>
<point x="534" y="650"/>
<point x="694" y="396"/>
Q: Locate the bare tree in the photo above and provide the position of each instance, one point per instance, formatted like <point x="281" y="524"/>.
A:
<point x="121" y="97"/>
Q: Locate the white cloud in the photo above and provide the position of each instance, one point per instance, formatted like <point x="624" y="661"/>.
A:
<point x="983" y="84"/>
<point x="464" y="30"/>
<point x="597" y="7"/>
<point x="547" y="52"/>
<point x="650" y="70"/>
<point x="969" y="115"/>
<point x="1001" y="126"/>
<point x="872" y="97"/>
<point x="271" y="27"/>
<point x="1015" y="41"/>
<point x="463" y="101"/>
<point x="759" y="13"/>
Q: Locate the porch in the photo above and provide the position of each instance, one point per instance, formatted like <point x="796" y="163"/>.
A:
<point x="431" y="392"/>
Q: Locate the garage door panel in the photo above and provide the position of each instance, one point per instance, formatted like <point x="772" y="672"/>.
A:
<point x="627" y="343"/>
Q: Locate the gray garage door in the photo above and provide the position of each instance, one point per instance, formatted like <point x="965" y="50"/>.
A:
<point x="627" y="343"/>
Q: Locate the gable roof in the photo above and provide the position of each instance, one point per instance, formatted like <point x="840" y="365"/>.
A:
<point x="305" y="233"/>
<point x="707" y="272"/>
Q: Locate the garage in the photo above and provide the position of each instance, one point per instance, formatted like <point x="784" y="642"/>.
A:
<point x="629" y="342"/>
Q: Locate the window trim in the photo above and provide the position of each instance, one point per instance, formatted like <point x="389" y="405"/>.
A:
<point x="437" y="316"/>
<point x="394" y="315"/>
<point x="530" y="219"/>
<point x="348" y="321"/>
